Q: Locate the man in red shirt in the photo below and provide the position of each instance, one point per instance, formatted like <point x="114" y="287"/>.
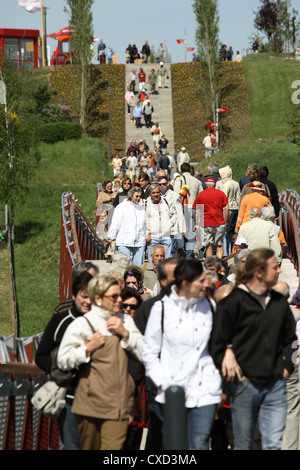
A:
<point x="212" y="207"/>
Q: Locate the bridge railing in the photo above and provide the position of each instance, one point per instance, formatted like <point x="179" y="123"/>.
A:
<point x="290" y="224"/>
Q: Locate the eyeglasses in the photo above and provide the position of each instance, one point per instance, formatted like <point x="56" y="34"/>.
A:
<point x="113" y="297"/>
<point x="131" y="306"/>
<point x="126" y="184"/>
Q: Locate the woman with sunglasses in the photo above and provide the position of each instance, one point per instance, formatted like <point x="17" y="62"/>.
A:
<point x="120" y="197"/>
<point x="133" y="277"/>
<point x="98" y="345"/>
<point x="131" y="300"/>
<point x="128" y="227"/>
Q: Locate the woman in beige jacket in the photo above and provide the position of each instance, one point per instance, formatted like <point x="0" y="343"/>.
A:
<point x="98" y="344"/>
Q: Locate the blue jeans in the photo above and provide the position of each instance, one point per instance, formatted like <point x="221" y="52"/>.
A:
<point x="165" y="241"/>
<point x="68" y="429"/>
<point x="266" y="402"/>
<point x="200" y="424"/>
<point x="137" y="253"/>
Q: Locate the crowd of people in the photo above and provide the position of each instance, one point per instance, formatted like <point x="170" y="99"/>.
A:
<point x="191" y="297"/>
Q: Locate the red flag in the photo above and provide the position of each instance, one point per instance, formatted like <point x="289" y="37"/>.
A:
<point x="190" y="48"/>
<point x="211" y="124"/>
<point x="222" y="110"/>
<point x="180" y="41"/>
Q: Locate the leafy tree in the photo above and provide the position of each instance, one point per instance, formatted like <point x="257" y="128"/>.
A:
<point x="81" y="20"/>
<point x="266" y="18"/>
<point x="207" y="40"/>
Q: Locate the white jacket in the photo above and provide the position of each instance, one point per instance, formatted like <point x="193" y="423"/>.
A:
<point x="160" y="218"/>
<point x="72" y="349"/>
<point x="230" y="187"/>
<point x="174" y="199"/>
<point x="128" y="224"/>
<point x="185" y="360"/>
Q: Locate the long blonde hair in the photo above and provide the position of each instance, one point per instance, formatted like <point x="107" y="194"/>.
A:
<point x="257" y="259"/>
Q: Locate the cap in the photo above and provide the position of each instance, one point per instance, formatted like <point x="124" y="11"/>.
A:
<point x="240" y="241"/>
<point x="182" y="148"/>
<point x="161" y="63"/>
<point x="209" y="179"/>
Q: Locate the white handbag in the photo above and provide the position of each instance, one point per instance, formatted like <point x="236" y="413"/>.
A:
<point x="50" y="399"/>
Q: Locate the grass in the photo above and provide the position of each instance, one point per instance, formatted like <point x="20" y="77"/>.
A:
<point x="75" y="167"/>
<point x="269" y="81"/>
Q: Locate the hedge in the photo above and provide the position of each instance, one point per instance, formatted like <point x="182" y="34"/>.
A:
<point x="56" y="131"/>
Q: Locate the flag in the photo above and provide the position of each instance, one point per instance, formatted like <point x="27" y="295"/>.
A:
<point x="31" y="5"/>
<point x="190" y="48"/>
<point x="180" y="41"/>
<point x="222" y="110"/>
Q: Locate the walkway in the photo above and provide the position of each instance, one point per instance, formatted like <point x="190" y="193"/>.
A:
<point x="162" y="104"/>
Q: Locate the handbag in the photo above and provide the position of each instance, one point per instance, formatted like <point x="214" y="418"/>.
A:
<point x="50" y="399"/>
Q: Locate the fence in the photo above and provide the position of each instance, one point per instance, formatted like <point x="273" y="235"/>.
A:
<point x="21" y="426"/>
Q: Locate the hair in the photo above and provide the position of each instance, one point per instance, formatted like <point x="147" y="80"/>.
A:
<point x="157" y="246"/>
<point x="100" y="284"/>
<point x="144" y="176"/>
<point x="268" y="212"/>
<point x="81" y="282"/>
<point x="213" y="167"/>
<point x="161" y="268"/>
<point x="253" y="175"/>
<point x="214" y="277"/>
<point x="185" y="167"/>
<point x="105" y="183"/>
<point x="213" y="261"/>
<point x="263" y="171"/>
<point x="256" y="260"/>
<point x="127" y="292"/>
<point x="283" y="288"/>
<point x="125" y="181"/>
<point x="162" y="178"/>
<point x="82" y="266"/>
<point x="222" y="292"/>
<point x="254" y="213"/>
<point x="153" y="186"/>
<point x="188" y="270"/>
<point x="134" y="271"/>
<point x="132" y="191"/>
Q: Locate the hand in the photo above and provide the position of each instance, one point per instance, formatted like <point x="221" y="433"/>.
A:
<point x="148" y="238"/>
<point x="96" y="342"/>
<point x="230" y="367"/>
<point x="115" y="325"/>
<point x="285" y="373"/>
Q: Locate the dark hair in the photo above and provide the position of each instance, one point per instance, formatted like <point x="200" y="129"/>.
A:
<point x="128" y="292"/>
<point x="185" y="167"/>
<point x="161" y="270"/>
<point x="80" y="282"/>
<point x="132" y="271"/>
<point x="187" y="270"/>
<point x="263" y="171"/>
<point x="144" y="176"/>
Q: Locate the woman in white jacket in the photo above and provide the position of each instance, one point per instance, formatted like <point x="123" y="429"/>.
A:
<point x="128" y="226"/>
<point x="179" y="355"/>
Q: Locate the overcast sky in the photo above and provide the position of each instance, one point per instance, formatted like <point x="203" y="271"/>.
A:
<point x="120" y="22"/>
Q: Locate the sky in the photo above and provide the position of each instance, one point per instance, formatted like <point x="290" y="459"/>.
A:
<point x="121" y="22"/>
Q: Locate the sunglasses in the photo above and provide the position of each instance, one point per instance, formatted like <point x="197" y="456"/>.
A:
<point x="113" y="297"/>
<point x="129" y="283"/>
<point x="162" y="184"/>
<point x="131" y="306"/>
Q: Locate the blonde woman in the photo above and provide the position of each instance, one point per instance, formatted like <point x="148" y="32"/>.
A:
<point x="104" y="395"/>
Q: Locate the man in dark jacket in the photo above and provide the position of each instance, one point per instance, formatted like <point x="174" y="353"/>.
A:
<point x="263" y="172"/>
<point x="252" y="339"/>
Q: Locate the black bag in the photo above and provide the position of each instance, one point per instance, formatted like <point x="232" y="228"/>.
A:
<point x="60" y="377"/>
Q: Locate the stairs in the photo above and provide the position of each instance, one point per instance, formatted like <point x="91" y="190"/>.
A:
<point x="162" y="104"/>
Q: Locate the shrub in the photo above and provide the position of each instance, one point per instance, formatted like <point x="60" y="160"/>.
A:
<point x="54" y="132"/>
<point x="53" y="113"/>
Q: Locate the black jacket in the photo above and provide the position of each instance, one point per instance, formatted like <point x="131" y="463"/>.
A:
<point x="273" y="193"/>
<point x="262" y="339"/>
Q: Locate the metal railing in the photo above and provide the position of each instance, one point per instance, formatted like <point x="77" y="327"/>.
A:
<point x="290" y="224"/>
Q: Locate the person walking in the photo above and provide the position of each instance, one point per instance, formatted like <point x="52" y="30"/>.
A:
<point x="252" y="344"/>
<point x="178" y="354"/>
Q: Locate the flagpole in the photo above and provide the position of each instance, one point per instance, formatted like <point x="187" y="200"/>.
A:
<point x="184" y="44"/>
<point x="43" y="34"/>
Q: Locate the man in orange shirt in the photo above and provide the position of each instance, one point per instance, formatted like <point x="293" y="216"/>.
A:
<point x="256" y="199"/>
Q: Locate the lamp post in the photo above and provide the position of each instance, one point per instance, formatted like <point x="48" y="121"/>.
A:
<point x="109" y="91"/>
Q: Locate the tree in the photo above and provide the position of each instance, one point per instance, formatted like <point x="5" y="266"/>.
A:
<point x="81" y="20"/>
<point x="266" y="18"/>
<point x="207" y="40"/>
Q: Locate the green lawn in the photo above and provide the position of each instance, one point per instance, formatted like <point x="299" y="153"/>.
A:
<point x="75" y="167"/>
<point x="269" y="82"/>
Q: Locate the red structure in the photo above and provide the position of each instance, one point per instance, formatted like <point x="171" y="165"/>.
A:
<point x="20" y="46"/>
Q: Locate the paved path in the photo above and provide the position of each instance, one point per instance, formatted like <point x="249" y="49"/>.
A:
<point x="289" y="274"/>
<point x="162" y="104"/>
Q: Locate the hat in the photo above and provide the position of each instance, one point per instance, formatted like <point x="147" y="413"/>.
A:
<point x="161" y="63"/>
<point x="241" y="241"/>
<point x="148" y="101"/>
<point x="257" y="185"/>
<point x="182" y="148"/>
<point x="209" y="179"/>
